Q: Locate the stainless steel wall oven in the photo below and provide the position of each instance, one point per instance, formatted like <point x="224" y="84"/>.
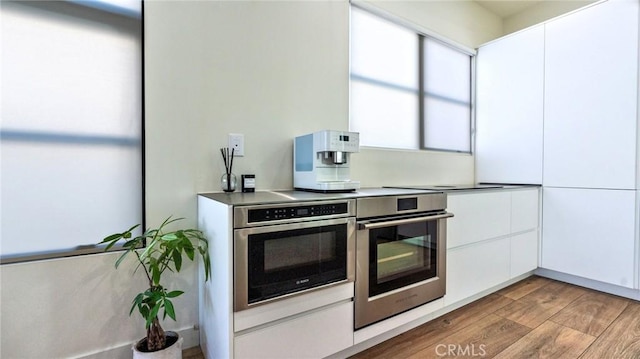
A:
<point x="400" y="254"/>
<point x="282" y="250"/>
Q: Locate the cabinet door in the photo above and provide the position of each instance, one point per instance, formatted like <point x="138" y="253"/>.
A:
<point x="509" y="111"/>
<point x="590" y="97"/>
<point x="524" y="253"/>
<point x="590" y="233"/>
<point x="478" y="216"/>
<point x="314" y="335"/>
<point x="525" y="207"/>
<point x="477" y="267"/>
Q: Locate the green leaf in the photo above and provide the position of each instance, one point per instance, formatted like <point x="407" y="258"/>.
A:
<point x="174" y="293"/>
<point x="132" y="308"/>
<point x="121" y="258"/>
<point x="144" y="311"/>
<point x="190" y="252"/>
<point x="110" y="245"/>
<point x="177" y="260"/>
<point x="132" y="228"/>
<point x="154" y="312"/>
<point x="156" y="273"/>
<point x="113" y="237"/>
<point x="147" y="251"/>
<point x="131" y="244"/>
<point x="169" y="237"/>
<point x="168" y="309"/>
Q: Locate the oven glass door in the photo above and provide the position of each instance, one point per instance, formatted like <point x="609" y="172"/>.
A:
<point x="286" y="261"/>
<point x="401" y="255"/>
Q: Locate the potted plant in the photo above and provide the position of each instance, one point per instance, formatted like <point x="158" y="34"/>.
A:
<point x="164" y="250"/>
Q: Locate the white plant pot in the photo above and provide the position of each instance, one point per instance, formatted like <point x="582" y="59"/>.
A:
<point x="172" y="352"/>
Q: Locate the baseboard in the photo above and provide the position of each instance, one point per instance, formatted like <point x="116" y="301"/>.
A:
<point x="589" y="283"/>
<point x="190" y="335"/>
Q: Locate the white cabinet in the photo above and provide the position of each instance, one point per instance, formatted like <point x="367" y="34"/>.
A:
<point x="309" y="325"/>
<point x="590" y="143"/>
<point x="590" y="233"/>
<point x="524" y="253"/>
<point x="474" y="268"/>
<point x="492" y="238"/>
<point x="525" y="209"/>
<point x="590" y="97"/>
<point x="478" y="215"/>
<point x="510" y="80"/>
<point x="315" y="335"/>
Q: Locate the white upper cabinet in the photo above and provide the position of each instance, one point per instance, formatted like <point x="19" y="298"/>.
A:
<point x="590" y="97"/>
<point x="510" y="80"/>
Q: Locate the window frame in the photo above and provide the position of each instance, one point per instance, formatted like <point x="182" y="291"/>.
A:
<point x="421" y="34"/>
<point x="95" y="248"/>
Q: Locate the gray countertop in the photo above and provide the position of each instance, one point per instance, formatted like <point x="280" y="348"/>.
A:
<point x="267" y="197"/>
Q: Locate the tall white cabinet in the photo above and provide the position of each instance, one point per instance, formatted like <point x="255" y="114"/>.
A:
<point x="591" y="97"/>
<point x="590" y="144"/>
<point x="581" y="100"/>
<point x="510" y="80"/>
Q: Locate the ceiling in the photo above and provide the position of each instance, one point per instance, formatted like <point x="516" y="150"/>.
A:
<point x="506" y="8"/>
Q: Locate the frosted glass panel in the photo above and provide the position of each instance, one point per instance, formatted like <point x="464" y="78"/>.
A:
<point x="383" y="51"/>
<point x="447" y="71"/>
<point x="386" y="81"/>
<point x="384" y="117"/>
<point x="447" y="125"/>
<point x="447" y="83"/>
<point x="70" y="137"/>
<point x="63" y="196"/>
<point x="84" y="73"/>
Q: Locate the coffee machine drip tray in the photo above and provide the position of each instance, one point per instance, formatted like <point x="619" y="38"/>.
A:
<point x="332" y="187"/>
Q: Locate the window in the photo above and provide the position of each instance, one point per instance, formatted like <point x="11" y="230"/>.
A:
<point x="71" y="131"/>
<point x="408" y="90"/>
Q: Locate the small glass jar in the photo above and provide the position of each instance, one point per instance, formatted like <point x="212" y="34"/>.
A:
<point x="228" y="182"/>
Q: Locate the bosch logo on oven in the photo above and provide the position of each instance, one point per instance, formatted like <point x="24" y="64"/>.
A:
<point x="302" y="281"/>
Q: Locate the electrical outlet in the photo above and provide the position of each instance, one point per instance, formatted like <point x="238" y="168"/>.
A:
<point x="236" y="142"/>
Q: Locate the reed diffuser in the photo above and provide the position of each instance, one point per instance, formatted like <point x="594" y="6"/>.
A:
<point x="228" y="180"/>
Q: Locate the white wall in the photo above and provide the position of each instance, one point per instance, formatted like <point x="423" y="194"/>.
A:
<point x="541" y="12"/>
<point x="77" y="307"/>
<point x="464" y="22"/>
<point x="269" y="70"/>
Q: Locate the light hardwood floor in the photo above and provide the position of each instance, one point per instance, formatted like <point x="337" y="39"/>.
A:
<point x="192" y="353"/>
<point x="534" y="318"/>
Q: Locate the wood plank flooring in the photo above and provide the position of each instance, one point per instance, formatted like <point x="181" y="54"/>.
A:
<point x="534" y="318"/>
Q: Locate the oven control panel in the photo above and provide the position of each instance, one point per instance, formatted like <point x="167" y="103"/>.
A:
<point x="267" y="214"/>
<point x="275" y="214"/>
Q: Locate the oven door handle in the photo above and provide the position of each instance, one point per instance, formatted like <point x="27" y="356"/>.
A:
<point x="396" y="222"/>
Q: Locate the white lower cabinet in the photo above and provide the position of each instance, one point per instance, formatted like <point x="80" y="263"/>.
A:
<point x="314" y="335"/>
<point x="478" y="215"/>
<point x="590" y="233"/>
<point x="524" y="253"/>
<point x="525" y="209"/>
<point x="477" y="267"/>
<point x="493" y="237"/>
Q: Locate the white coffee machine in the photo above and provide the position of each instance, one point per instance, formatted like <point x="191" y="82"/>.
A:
<point x="321" y="161"/>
